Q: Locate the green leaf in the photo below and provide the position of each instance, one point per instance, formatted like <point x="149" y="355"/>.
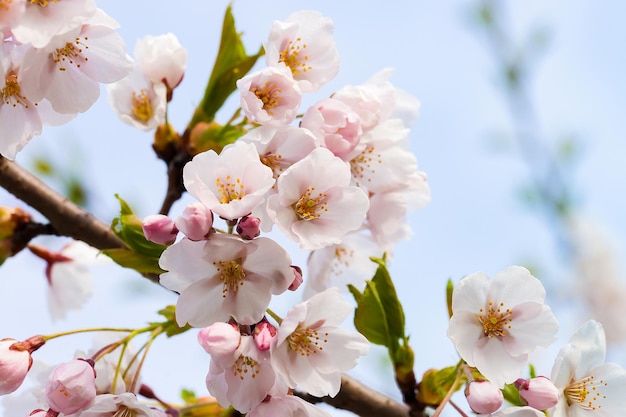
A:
<point x="435" y="384"/>
<point x="171" y="327"/>
<point x="369" y="317"/>
<point x="231" y="64"/>
<point x="511" y="395"/>
<point x="389" y="299"/>
<point x="188" y="396"/>
<point x="141" y="254"/>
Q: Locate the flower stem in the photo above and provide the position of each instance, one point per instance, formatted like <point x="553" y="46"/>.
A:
<point x="93" y="329"/>
<point x="274" y="315"/>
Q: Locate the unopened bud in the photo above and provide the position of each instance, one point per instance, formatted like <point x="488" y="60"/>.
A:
<point x="539" y="392"/>
<point x="219" y="339"/>
<point x="264" y="333"/>
<point x="297" y="280"/>
<point x="196" y="221"/>
<point x="483" y="397"/>
<point x="167" y="141"/>
<point x="14" y="365"/>
<point x="11" y="221"/>
<point x="71" y="386"/>
<point x="160" y="229"/>
<point x="248" y="227"/>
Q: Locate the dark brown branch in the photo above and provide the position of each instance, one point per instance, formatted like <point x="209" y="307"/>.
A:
<point x="362" y="401"/>
<point x="175" y="187"/>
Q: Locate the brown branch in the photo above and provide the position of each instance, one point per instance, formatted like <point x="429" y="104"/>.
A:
<point x="362" y="401"/>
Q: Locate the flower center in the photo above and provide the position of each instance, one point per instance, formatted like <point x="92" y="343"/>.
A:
<point x="495" y="321"/>
<point x="245" y="366"/>
<point x="269" y="94"/>
<point x="275" y="162"/>
<point x="142" y="108"/>
<point x="5" y="5"/>
<point x="310" y="207"/>
<point x="71" y="53"/>
<point x="361" y="165"/>
<point x="586" y="393"/>
<point x="230" y="191"/>
<point x="341" y="260"/>
<point x="12" y="92"/>
<point x="232" y="276"/>
<point x="42" y="3"/>
<point x="295" y="58"/>
<point x="306" y="341"/>
<point x="124" y="411"/>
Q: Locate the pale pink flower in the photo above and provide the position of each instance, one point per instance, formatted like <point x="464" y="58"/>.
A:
<point x="19" y="115"/>
<point x="196" y="221"/>
<point x="137" y="101"/>
<point x="286" y="406"/>
<point x="107" y="371"/>
<point x="264" y="335"/>
<point x="162" y="59"/>
<point x="539" y="392"/>
<point x="242" y="379"/>
<point x="483" y="397"/>
<point x="230" y="184"/>
<point x="31" y="397"/>
<point x="317" y="209"/>
<point x="71" y="386"/>
<point x="345" y="263"/>
<point x="248" y="227"/>
<point x="588" y="386"/>
<point x="336" y="126"/>
<point x="14" y="365"/>
<point x="225" y="277"/>
<point x="114" y="405"/>
<point x="270" y="96"/>
<point x="12" y="11"/>
<point x="220" y="339"/>
<point x="304" y="43"/>
<point x="497" y="322"/>
<point x="43" y="20"/>
<point x="311" y="351"/>
<point x="68" y="70"/>
<point x="516" y="412"/>
<point x="159" y="228"/>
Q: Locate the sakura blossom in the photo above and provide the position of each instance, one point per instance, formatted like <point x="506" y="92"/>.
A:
<point x="304" y="43"/>
<point x="270" y="96"/>
<point x="14" y="365"/>
<point x="138" y="102"/>
<point x="311" y="350"/>
<point x="336" y="126"/>
<point x="483" y="397"/>
<point x="497" y="322"/>
<point x="71" y="386"/>
<point x="231" y="184"/>
<point x="162" y="58"/>
<point x="242" y="379"/>
<point x="515" y="412"/>
<point x="114" y="405"/>
<point x="12" y="12"/>
<point x="539" y="392"/>
<point x="159" y="228"/>
<point x="588" y="386"/>
<point x="319" y="210"/>
<point x="225" y="277"/>
<point x="286" y="406"/>
<point x="43" y="20"/>
<point x="345" y="263"/>
<point x="195" y="222"/>
<point x="68" y="70"/>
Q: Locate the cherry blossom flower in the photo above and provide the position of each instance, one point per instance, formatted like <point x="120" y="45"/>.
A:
<point x="318" y="210"/>
<point x="336" y="126"/>
<point x="70" y="283"/>
<point x="496" y="323"/>
<point x="345" y="263"/>
<point x="270" y="96"/>
<point x="225" y="276"/>
<point x="137" y="101"/>
<point x="230" y="184"/>
<point x="71" y="386"/>
<point x="43" y="20"/>
<point x="30" y="397"/>
<point x="159" y="228"/>
<point x="196" y="221"/>
<point x="114" y="405"/>
<point x="589" y="387"/>
<point x="12" y="12"/>
<point x="242" y="379"/>
<point x="483" y="397"/>
<point x="68" y="70"/>
<point x="14" y="365"/>
<point x="304" y="43"/>
<point x="515" y="412"/>
<point x="107" y="374"/>
<point x="539" y="392"/>
<point x="162" y="59"/>
<point x="311" y="351"/>
<point x="286" y="406"/>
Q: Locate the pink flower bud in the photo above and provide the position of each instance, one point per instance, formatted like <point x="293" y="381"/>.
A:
<point x="159" y="229"/>
<point x="264" y="333"/>
<point x="219" y="339"/>
<point x="14" y="365"/>
<point x="248" y="227"/>
<point x="297" y="280"/>
<point x="196" y="222"/>
<point x="539" y="393"/>
<point x="38" y="413"/>
<point x="483" y="397"/>
<point x="71" y="386"/>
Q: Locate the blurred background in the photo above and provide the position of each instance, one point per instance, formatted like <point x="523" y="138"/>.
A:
<point x="521" y="132"/>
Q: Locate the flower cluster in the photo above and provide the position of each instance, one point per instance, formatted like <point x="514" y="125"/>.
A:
<point x="53" y="58"/>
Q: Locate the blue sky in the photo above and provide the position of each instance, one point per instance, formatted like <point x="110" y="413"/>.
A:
<point x="476" y="220"/>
